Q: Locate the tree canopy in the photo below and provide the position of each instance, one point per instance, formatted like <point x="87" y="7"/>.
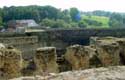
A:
<point x="56" y="18"/>
<point x="116" y="21"/>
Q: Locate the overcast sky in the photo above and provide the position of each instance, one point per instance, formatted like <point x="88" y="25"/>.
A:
<point x="84" y="5"/>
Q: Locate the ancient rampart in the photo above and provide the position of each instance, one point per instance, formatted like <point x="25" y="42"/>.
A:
<point x="60" y="38"/>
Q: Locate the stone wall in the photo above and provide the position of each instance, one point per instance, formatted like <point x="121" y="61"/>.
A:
<point x="113" y="44"/>
<point x="102" y="52"/>
<point x="82" y="56"/>
<point x="19" y="40"/>
<point x="108" y="52"/>
<point x="59" y="38"/>
<point x="10" y="63"/>
<point x="27" y="44"/>
<point x="77" y="57"/>
<point x="62" y="38"/>
<point x="45" y="60"/>
<point x="122" y="49"/>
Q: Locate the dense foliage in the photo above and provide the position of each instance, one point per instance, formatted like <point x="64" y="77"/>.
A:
<point x="52" y="17"/>
<point x="117" y="20"/>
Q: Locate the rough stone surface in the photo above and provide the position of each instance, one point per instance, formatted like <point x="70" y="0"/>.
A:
<point x="27" y="44"/>
<point x="77" y="57"/>
<point x="94" y="61"/>
<point x="110" y="73"/>
<point x="82" y="57"/>
<point x="2" y="46"/>
<point x="110" y="42"/>
<point x="108" y="52"/>
<point x="10" y="63"/>
<point x="105" y="51"/>
<point x="102" y="52"/>
<point x="45" y="59"/>
<point x="122" y="49"/>
<point x="94" y="40"/>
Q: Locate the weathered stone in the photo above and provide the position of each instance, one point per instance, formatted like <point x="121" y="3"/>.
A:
<point x="29" y="67"/>
<point x="45" y="59"/>
<point x="10" y="63"/>
<point x="94" y="61"/>
<point x="2" y="46"/>
<point x="77" y="57"/>
<point x="121" y="42"/>
<point x="82" y="57"/>
<point x="110" y="73"/>
<point x="27" y="44"/>
<point x="94" y="40"/>
<point x="108" y="52"/>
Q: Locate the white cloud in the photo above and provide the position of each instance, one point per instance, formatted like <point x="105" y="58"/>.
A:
<point x="84" y="5"/>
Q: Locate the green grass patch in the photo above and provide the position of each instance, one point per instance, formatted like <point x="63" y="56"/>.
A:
<point x="101" y="19"/>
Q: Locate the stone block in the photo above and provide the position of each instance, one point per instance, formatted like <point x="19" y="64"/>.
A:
<point x="108" y="52"/>
<point x="77" y="57"/>
<point x="45" y="59"/>
<point x="10" y="63"/>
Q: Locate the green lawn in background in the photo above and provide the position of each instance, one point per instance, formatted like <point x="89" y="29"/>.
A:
<point x="103" y="20"/>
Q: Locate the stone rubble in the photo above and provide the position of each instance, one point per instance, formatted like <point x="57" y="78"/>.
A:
<point x="109" y="73"/>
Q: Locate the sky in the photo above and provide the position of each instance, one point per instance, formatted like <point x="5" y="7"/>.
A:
<point x="82" y="5"/>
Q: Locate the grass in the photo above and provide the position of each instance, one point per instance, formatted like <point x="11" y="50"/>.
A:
<point x="102" y="19"/>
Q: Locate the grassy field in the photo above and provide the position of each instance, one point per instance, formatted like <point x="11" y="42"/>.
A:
<point x="103" y="20"/>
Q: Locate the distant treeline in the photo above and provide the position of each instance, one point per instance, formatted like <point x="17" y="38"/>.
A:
<point x="56" y="18"/>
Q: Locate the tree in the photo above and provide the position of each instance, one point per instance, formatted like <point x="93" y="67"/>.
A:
<point x="47" y="22"/>
<point x="75" y="14"/>
<point x="116" y="20"/>
<point x="82" y="24"/>
<point x="1" y="23"/>
<point x="101" y="13"/>
<point x="30" y="12"/>
<point x="74" y="25"/>
<point x="66" y="16"/>
<point x="61" y="24"/>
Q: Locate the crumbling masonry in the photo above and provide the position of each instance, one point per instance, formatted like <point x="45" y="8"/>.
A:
<point x="101" y="52"/>
<point x="10" y="63"/>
